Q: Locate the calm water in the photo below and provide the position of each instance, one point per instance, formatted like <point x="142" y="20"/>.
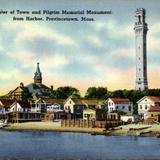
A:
<point x="28" y="145"/>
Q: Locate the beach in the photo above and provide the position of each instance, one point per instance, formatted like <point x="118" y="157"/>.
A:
<point x="124" y="130"/>
<point x="50" y="126"/>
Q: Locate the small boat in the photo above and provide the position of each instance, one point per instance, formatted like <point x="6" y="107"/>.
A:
<point x="3" y="123"/>
<point x="93" y="133"/>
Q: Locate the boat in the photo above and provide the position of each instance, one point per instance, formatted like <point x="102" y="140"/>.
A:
<point x="3" y="123"/>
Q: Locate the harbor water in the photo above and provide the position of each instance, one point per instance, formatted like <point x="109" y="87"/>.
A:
<point x="38" y="145"/>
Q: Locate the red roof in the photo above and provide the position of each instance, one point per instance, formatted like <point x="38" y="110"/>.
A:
<point x="120" y="99"/>
<point x="24" y="104"/>
<point x="155" y="109"/>
<point x="153" y="98"/>
<point x="6" y="102"/>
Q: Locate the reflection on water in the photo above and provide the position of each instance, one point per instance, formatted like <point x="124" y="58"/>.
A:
<point x="28" y="145"/>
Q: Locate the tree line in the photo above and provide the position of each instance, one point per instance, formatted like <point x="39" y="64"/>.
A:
<point x="97" y="93"/>
<point x="104" y="93"/>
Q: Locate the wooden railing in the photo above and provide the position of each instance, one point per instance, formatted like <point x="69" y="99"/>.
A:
<point x="89" y="123"/>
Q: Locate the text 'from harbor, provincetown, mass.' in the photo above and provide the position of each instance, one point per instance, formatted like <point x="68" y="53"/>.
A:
<point x="54" y="15"/>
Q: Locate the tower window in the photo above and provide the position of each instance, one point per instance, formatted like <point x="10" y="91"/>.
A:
<point x="139" y="19"/>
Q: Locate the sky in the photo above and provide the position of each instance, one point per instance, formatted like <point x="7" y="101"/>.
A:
<point x="78" y="54"/>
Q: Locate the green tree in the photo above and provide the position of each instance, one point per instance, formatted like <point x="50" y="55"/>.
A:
<point x="118" y="94"/>
<point x="26" y="95"/>
<point x="65" y="92"/>
<point x="99" y="92"/>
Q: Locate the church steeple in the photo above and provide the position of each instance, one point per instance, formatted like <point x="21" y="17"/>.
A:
<point x="38" y="75"/>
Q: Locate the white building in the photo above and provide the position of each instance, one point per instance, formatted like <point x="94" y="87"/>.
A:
<point x="19" y="106"/>
<point x="7" y="106"/>
<point x="54" y="104"/>
<point x="120" y="104"/>
<point x="38" y="106"/>
<point x="75" y="106"/>
<point x="145" y="103"/>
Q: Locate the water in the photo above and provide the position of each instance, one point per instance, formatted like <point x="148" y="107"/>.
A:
<point x="29" y="145"/>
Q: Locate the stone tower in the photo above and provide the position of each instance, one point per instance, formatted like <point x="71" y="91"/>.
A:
<point x="141" y="29"/>
<point x="38" y="75"/>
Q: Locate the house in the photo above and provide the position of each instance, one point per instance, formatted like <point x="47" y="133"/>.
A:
<point x="18" y="92"/>
<point x="56" y="115"/>
<point x="120" y="104"/>
<point x="20" y="106"/>
<point x="54" y="104"/>
<point x="17" y="111"/>
<point x="75" y="106"/>
<point x="114" y="115"/>
<point x="20" y="111"/>
<point x="55" y="109"/>
<point x="38" y="105"/>
<point x="145" y="103"/>
<point x="94" y="114"/>
<point x="154" y="112"/>
<point x="8" y="105"/>
<point x="5" y="105"/>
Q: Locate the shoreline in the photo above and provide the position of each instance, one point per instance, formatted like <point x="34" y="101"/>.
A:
<point x="125" y="130"/>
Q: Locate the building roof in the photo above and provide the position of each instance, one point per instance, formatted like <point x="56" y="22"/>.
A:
<point x="92" y="101"/>
<point x="93" y="109"/>
<point x="154" y="109"/>
<point x="77" y="101"/>
<point x="19" y="87"/>
<point x="53" y="101"/>
<point x="120" y="100"/>
<point x="38" y="89"/>
<point x="6" y="102"/>
<point x="153" y="98"/>
<point x="82" y="101"/>
<point x="24" y="104"/>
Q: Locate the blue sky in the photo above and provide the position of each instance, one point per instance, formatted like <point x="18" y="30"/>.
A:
<point x="79" y="54"/>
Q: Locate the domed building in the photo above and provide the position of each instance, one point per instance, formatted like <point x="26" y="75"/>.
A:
<point x="36" y="89"/>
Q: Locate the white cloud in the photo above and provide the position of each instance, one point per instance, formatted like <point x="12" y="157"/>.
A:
<point x="95" y="40"/>
<point x="56" y="61"/>
<point x="28" y="59"/>
<point x="115" y="30"/>
<point x="124" y="52"/>
<point x="28" y="31"/>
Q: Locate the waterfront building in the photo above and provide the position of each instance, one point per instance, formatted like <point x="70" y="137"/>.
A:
<point x="94" y="114"/>
<point x="54" y="104"/>
<point x="122" y="105"/>
<point x="9" y="105"/>
<point x="55" y="109"/>
<point x="75" y="106"/>
<point x="5" y="105"/>
<point x="114" y="115"/>
<point x="20" y="106"/>
<point x="141" y="29"/>
<point x="145" y="103"/>
<point x="154" y="112"/>
<point x="38" y="105"/>
<point x="17" y="111"/>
